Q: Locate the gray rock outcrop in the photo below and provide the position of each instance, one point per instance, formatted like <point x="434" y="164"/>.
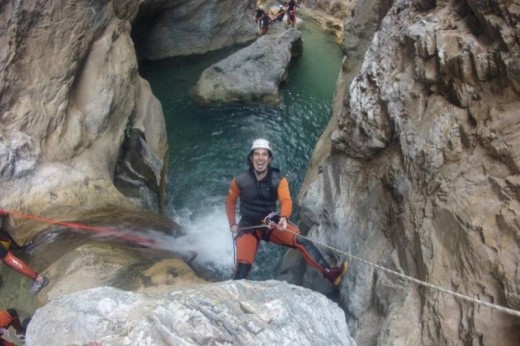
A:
<point x="253" y="74"/>
<point x="418" y="170"/>
<point x="167" y="28"/>
<point x="228" y="313"/>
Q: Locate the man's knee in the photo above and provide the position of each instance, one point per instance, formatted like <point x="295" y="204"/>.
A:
<point x="12" y="312"/>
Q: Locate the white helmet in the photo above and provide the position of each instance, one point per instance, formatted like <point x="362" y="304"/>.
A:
<point x="261" y="143"/>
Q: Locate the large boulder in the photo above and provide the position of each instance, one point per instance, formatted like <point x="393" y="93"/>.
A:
<point x="253" y="74"/>
<point x="227" y="313"/>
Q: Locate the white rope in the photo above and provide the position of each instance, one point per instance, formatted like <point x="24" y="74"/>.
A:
<point x="414" y="280"/>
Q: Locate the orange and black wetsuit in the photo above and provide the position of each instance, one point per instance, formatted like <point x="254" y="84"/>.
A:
<point x="14" y="262"/>
<point x="258" y="199"/>
<point x="9" y="318"/>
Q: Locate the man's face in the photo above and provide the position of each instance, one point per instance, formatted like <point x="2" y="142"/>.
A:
<point x="260" y="159"/>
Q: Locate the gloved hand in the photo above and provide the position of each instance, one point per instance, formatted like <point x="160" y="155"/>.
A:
<point x="282" y="224"/>
<point x="234" y="228"/>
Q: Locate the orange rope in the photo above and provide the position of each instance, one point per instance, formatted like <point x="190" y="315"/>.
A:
<point x="100" y="230"/>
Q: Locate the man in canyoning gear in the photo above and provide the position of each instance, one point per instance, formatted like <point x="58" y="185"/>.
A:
<point x="259" y="189"/>
<point x="291" y="5"/>
<point x="9" y="318"/>
<point x="291" y="12"/>
<point x="265" y="23"/>
<point x="259" y="14"/>
<point x="280" y="14"/>
<point x="38" y="281"/>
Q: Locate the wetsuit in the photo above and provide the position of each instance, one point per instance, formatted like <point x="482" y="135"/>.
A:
<point x="9" y="318"/>
<point x="14" y="262"/>
<point x="280" y="15"/>
<point x="291" y="12"/>
<point x="259" y="14"/>
<point x="257" y="200"/>
<point x="291" y="6"/>
<point x="265" y="21"/>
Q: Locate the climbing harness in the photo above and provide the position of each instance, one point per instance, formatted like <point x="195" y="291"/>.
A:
<point x="95" y="229"/>
<point x="244" y="230"/>
<point x="249" y="229"/>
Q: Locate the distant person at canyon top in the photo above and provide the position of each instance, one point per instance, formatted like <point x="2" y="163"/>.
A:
<point x="265" y="23"/>
<point x="259" y="189"/>
<point x="38" y="281"/>
<point x="280" y="14"/>
<point x="259" y="14"/>
<point x="291" y="12"/>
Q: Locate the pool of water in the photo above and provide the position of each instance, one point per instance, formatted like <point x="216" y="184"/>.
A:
<point x="209" y="144"/>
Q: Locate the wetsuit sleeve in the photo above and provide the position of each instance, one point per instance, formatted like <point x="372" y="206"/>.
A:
<point x="231" y="202"/>
<point x="284" y="196"/>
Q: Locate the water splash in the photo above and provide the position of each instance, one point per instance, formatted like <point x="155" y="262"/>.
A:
<point x="207" y="235"/>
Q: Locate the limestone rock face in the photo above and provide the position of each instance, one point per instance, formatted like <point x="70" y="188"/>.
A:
<point x="329" y="14"/>
<point x="228" y="313"/>
<point x="70" y="95"/>
<point x="167" y="28"/>
<point x="254" y="73"/>
<point x="96" y="264"/>
<point x="422" y="174"/>
<point x="337" y="8"/>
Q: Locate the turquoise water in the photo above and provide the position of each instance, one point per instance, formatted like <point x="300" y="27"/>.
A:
<point x="209" y="145"/>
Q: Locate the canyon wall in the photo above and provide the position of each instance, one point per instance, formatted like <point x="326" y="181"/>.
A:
<point x="72" y="109"/>
<point x="418" y="172"/>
